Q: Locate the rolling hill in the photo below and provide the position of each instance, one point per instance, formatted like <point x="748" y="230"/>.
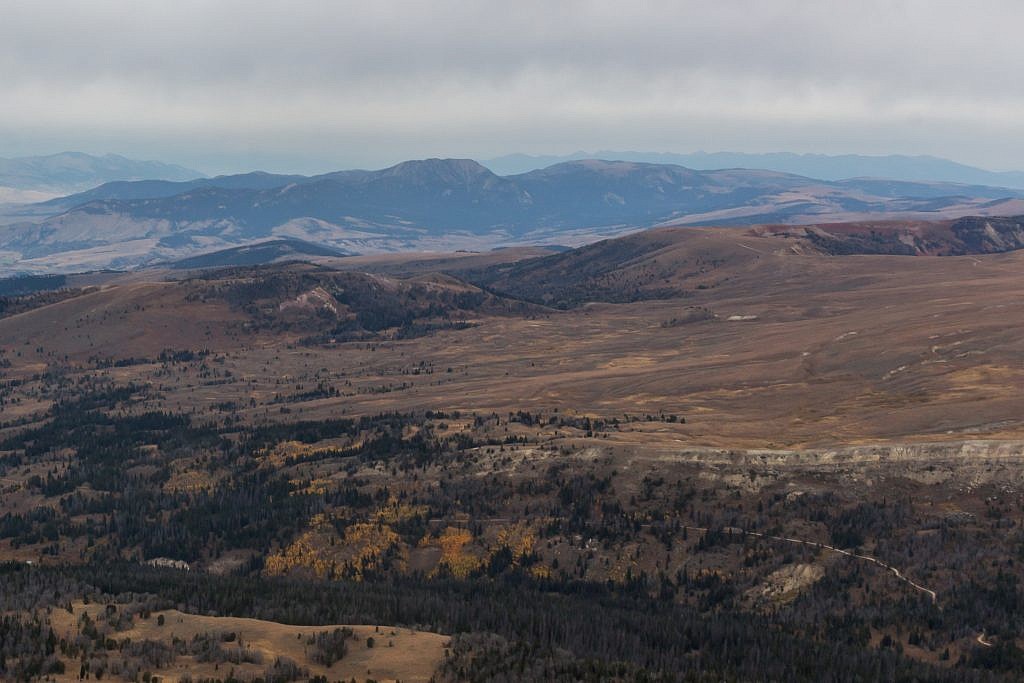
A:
<point x="672" y="262"/>
<point x="156" y="189"/>
<point x="256" y="254"/>
<point x="763" y="335"/>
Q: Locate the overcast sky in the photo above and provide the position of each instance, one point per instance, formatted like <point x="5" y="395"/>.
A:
<point x="313" y="86"/>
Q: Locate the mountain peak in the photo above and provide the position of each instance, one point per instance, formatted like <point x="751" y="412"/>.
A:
<point x="444" y="170"/>
<point x="597" y="166"/>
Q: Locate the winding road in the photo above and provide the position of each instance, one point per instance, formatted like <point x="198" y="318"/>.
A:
<point x="867" y="558"/>
<point x="824" y="546"/>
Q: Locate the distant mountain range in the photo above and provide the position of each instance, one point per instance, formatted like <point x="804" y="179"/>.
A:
<point x="445" y="204"/>
<point x="75" y="171"/>
<point x="823" y="166"/>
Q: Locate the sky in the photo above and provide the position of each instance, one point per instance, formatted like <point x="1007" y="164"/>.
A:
<point x="227" y="86"/>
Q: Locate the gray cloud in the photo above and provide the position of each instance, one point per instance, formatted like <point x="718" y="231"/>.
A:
<point x="317" y="85"/>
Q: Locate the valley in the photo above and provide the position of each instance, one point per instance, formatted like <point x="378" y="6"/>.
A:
<point x="757" y="343"/>
<point x="532" y="342"/>
<point x="609" y="462"/>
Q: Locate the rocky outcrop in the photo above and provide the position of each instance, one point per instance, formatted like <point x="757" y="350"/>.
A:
<point x="989" y="235"/>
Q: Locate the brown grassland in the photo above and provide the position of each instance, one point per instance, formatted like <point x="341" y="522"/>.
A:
<point x="687" y="404"/>
<point x="802" y="350"/>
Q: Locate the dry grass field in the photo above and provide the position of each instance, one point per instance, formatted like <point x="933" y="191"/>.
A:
<point x="799" y="350"/>
<point x="397" y="654"/>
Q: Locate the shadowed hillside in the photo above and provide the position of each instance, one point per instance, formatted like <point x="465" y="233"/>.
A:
<point x="667" y="263"/>
<point x="257" y="254"/>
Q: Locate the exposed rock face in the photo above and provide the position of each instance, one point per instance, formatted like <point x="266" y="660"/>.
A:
<point x="990" y="235"/>
<point x="960" y="237"/>
<point x="169" y="563"/>
<point x="785" y="584"/>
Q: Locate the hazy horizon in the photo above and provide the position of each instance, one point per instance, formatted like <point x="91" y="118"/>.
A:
<point x="542" y="159"/>
<point x="231" y="86"/>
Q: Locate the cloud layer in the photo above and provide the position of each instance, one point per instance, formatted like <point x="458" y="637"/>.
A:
<point x="316" y="85"/>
